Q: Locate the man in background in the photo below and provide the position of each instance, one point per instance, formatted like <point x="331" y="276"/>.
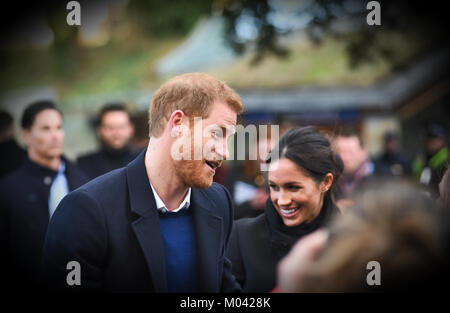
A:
<point x="115" y="130"/>
<point x="357" y="166"/>
<point x="30" y="194"/>
<point x="12" y="155"/>
<point x="429" y="168"/>
<point x="392" y="161"/>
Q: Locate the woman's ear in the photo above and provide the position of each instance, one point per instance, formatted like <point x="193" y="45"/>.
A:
<point x="327" y="182"/>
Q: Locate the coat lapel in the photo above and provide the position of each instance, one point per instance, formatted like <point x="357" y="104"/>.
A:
<point x="209" y="240"/>
<point x="147" y="227"/>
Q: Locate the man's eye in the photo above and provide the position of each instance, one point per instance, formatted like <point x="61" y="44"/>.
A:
<point x="294" y="188"/>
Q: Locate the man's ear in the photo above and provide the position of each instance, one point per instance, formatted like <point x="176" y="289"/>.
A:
<point x="26" y="136"/>
<point x="176" y="118"/>
<point x="176" y="122"/>
<point x="132" y="129"/>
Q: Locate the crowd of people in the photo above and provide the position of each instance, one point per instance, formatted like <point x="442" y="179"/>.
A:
<point x="138" y="220"/>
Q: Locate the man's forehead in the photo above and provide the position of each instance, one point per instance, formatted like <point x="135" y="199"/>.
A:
<point x="228" y="120"/>
<point x="46" y="116"/>
<point x="229" y="127"/>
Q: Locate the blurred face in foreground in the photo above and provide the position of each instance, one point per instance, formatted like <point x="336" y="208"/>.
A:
<point x="296" y="196"/>
<point x="45" y="138"/>
<point x="208" y="146"/>
<point x="115" y="129"/>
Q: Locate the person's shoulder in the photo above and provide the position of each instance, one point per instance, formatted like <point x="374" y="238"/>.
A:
<point x="75" y="172"/>
<point x="15" y="177"/>
<point x="88" y="157"/>
<point x="219" y="196"/>
<point x="251" y="229"/>
<point x="216" y="190"/>
<point x="247" y="222"/>
<point x="103" y="185"/>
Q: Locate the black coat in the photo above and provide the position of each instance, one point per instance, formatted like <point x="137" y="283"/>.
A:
<point x="111" y="227"/>
<point x="12" y="157"/>
<point x="25" y="215"/>
<point x="258" y="244"/>
<point x="101" y="162"/>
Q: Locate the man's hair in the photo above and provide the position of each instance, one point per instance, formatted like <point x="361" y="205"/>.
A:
<point x="111" y="107"/>
<point x="6" y="121"/>
<point x="194" y="94"/>
<point x="351" y="132"/>
<point x="29" y="115"/>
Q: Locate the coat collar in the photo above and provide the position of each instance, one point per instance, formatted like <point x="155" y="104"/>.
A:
<point x="210" y="237"/>
<point x="40" y="170"/>
<point x="208" y="227"/>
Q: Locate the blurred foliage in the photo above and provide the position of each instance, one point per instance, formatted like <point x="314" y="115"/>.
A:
<point x="167" y="18"/>
<point x="156" y="27"/>
<point x="266" y="40"/>
<point x="65" y="46"/>
<point x="326" y="65"/>
<point x="363" y="46"/>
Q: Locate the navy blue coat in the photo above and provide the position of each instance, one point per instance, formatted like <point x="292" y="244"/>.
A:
<point x="24" y="217"/>
<point x="111" y="227"/>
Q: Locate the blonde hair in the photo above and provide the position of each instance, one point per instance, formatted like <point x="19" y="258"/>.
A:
<point x="393" y="224"/>
<point x="194" y="94"/>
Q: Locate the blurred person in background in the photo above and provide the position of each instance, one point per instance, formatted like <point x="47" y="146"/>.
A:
<point x="393" y="223"/>
<point x="392" y="161"/>
<point x="247" y="184"/>
<point x="303" y="171"/>
<point x="140" y="138"/>
<point x="115" y="131"/>
<point x="444" y="189"/>
<point x="11" y="155"/>
<point x="357" y="166"/>
<point x="429" y="168"/>
<point x="30" y="195"/>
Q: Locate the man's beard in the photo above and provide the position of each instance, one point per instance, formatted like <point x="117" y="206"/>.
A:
<point x="193" y="174"/>
<point x="115" y="151"/>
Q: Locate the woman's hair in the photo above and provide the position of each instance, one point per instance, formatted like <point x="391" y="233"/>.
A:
<point x="311" y="151"/>
<point x="394" y="224"/>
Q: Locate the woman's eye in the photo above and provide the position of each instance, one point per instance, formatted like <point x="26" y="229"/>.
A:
<point x="294" y="188"/>
<point x="273" y="187"/>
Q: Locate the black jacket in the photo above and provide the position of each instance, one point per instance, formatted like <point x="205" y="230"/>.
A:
<point x="111" y="227"/>
<point x="258" y="244"/>
<point x="12" y="157"/>
<point x="101" y="162"/>
<point x="24" y="217"/>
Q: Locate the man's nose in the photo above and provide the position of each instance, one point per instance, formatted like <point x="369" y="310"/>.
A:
<point x="224" y="152"/>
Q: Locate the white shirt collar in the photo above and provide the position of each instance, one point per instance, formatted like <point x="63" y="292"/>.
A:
<point x="160" y="206"/>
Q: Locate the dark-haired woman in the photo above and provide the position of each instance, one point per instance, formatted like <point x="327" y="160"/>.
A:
<point x="302" y="173"/>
